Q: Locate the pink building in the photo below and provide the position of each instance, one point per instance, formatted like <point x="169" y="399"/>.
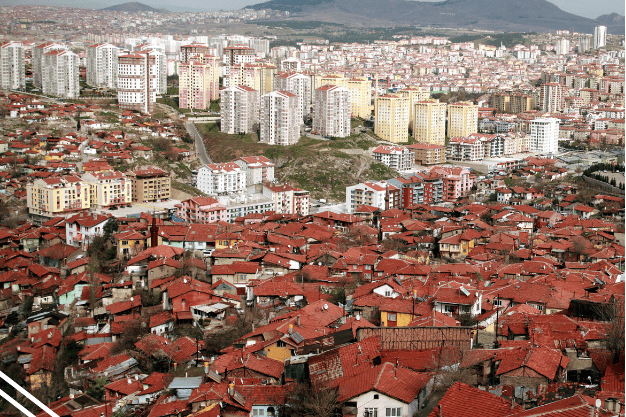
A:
<point x="456" y="181"/>
<point x="201" y="210"/>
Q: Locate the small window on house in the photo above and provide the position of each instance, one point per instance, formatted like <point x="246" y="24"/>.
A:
<point x="281" y="344"/>
<point x="449" y="309"/>
<point x="497" y="303"/>
<point x="392" y="317"/>
<point x="375" y="396"/>
<point x="394" y="412"/>
<point x="387" y="293"/>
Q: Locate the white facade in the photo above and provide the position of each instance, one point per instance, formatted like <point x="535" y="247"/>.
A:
<point x="239" y="109"/>
<point x="225" y="178"/>
<point x="137" y="82"/>
<point x="331" y="111"/>
<point x="544" y="136"/>
<point x="102" y="65"/>
<point x="599" y="37"/>
<point x="280" y="118"/>
<point x="298" y="84"/>
<point x="258" y="169"/>
<point x="82" y="232"/>
<point x="160" y="63"/>
<point x="60" y="74"/>
<point x="12" y="67"/>
<point x="399" y="158"/>
<point x="37" y="59"/>
<point x="562" y="46"/>
<point x="376" y="404"/>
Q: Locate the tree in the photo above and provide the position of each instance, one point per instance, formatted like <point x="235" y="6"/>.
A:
<point x="96" y="390"/>
<point x="110" y="227"/>
<point x="216" y="341"/>
<point x="613" y="315"/>
<point x="306" y="400"/>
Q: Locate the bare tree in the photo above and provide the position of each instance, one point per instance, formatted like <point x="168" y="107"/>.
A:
<point x="306" y="400"/>
<point x="612" y="313"/>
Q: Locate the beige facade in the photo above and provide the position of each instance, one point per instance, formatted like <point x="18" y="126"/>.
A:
<point x="429" y="154"/>
<point x="50" y="197"/>
<point x="414" y="94"/>
<point x="392" y="118"/>
<point x="429" y="123"/>
<point x="108" y="189"/>
<point x="239" y="109"/>
<point x="198" y="84"/>
<point x="462" y="119"/>
<point x="149" y="185"/>
<point x="360" y="97"/>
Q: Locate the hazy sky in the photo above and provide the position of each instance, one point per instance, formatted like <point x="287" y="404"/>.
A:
<point x="586" y="8"/>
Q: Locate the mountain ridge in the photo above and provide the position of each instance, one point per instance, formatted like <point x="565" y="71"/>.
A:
<point x="502" y="15"/>
<point x="133" y="6"/>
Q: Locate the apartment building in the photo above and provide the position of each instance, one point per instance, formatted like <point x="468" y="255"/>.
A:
<point x="239" y="109"/>
<point x="149" y="185"/>
<point x="360" y="92"/>
<point x="160" y="64"/>
<point x="60" y="74"/>
<point x="51" y="197"/>
<point x="465" y="149"/>
<point x="213" y="63"/>
<point x="238" y="54"/>
<point x="544" y="136"/>
<point x="298" y="84"/>
<point x="187" y="51"/>
<point x="288" y="199"/>
<point x="512" y="102"/>
<point x="214" y="179"/>
<point x="108" y="189"/>
<point x="195" y="82"/>
<point x="399" y="158"/>
<point x="201" y="210"/>
<point x="102" y="65"/>
<point x="415" y="95"/>
<point x="599" y="37"/>
<point x="419" y="188"/>
<point x="462" y="119"/>
<point x="37" y="59"/>
<point x="259" y="76"/>
<point x="429" y="123"/>
<point x="379" y="194"/>
<point x="551" y="98"/>
<point x="428" y="154"/>
<point x="360" y="97"/>
<point x="258" y="169"/>
<point x="392" y="118"/>
<point x="280" y="118"/>
<point x="12" y="66"/>
<point x="331" y="111"/>
<point x="241" y="205"/>
<point x="137" y="82"/>
<point x="456" y="181"/>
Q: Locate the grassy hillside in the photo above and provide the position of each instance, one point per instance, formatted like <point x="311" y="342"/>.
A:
<point x="323" y="167"/>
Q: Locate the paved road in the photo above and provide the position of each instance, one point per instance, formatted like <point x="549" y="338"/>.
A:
<point x="199" y="143"/>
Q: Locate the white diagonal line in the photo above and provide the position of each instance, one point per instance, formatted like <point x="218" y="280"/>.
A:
<point x="27" y="395"/>
<point x="16" y="404"/>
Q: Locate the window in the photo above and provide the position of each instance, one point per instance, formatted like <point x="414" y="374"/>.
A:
<point x="376" y="396"/>
<point x="392" y="317"/>
<point x="449" y="309"/>
<point x="497" y="303"/>
<point x="371" y="412"/>
<point x="394" y="412"/>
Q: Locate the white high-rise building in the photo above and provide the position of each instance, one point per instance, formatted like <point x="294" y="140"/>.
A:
<point x="239" y="109"/>
<point x="60" y="74"/>
<point x="137" y="82"/>
<point x="160" y="61"/>
<point x="12" y="67"/>
<point x="599" y="37"/>
<point x="38" y="53"/>
<point x="551" y="98"/>
<point x="562" y="46"/>
<point x="544" y="136"/>
<point x="102" y="65"/>
<point x="298" y="84"/>
<point x="331" y="111"/>
<point x="280" y="118"/>
<point x="224" y="178"/>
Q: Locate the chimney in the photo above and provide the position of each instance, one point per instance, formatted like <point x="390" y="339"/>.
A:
<point x="439" y="413"/>
<point x="154" y="233"/>
<point x="231" y="389"/>
<point x="298" y="321"/>
<point x="129" y="381"/>
<point x="206" y="367"/>
<point x="290" y="328"/>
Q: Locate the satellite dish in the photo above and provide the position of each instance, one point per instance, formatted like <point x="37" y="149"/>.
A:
<point x="185" y="280"/>
<point x="358" y="317"/>
<point x="598" y="403"/>
<point x="325" y="306"/>
<point x="131" y="299"/>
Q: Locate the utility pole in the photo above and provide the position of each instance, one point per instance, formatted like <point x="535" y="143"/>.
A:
<point x="497" y="320"/>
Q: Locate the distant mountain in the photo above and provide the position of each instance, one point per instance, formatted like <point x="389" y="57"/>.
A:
<point x="133" y="6"/>
<point x="611" y="19"/>
<point x="502" y="15"/>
